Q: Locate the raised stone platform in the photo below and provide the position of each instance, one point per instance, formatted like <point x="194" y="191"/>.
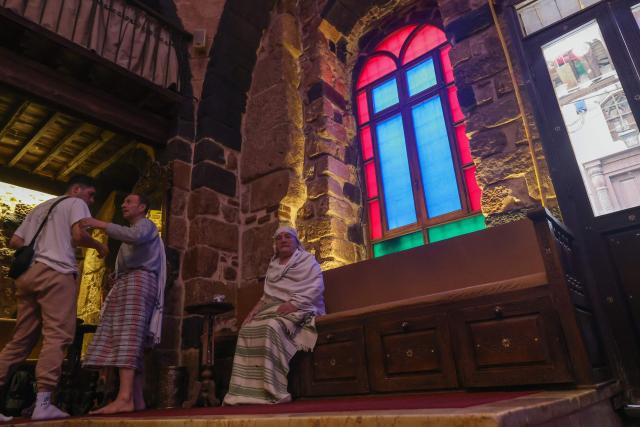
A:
<point x="587" y="407"/>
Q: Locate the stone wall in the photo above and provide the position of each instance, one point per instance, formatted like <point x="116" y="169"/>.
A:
<point x="499" y="143"/>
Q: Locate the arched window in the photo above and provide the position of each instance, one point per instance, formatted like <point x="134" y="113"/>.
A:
<point x="419" y="174"/>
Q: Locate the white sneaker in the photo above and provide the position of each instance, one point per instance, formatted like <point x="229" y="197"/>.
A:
<point x="4" y="418"/>
<point x="48" y="411"/>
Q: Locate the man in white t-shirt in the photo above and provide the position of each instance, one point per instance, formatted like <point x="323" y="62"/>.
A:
<point x="47" y="291"/>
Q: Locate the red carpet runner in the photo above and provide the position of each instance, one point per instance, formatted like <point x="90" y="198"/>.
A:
<point x="364" y="403"/>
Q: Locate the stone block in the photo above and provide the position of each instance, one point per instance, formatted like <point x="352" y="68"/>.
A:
<point x="465" y="25"/>
<point x="488" y="142"/>
<point x="323" y="185"/>
<point x="213" y="232"/>
<point x="355" y="234"/>
<point x="199" y="261"/>
<point x="336" y="249"/>
<point x="352" y="193"/>
<point x="230" y="214"/>
<point x="201" y="290"/>
<point x="285" y="26"/>
<point x="323" y="227"/>
<point x="178" y="149"/>
<point x="333" y="206"/>
<point x="208" y="175"/>
<point x="178" y="228"/>
<point x="318" y="146"/>
<point x="269" y="190"/>
<point x="256" y="260"/>
<point x="270" y="150"/>
<point x="499" y="112"/>
<point x="179" y="200"/>
<point x="507" y="196"/>
<point x="203" y="201"/>
<point x="278" y="67"/>
<point x="327" y="165"/>
<point x="503" y="166"/>
<point x="181" y="172"/>
<point x="209" y="150"/>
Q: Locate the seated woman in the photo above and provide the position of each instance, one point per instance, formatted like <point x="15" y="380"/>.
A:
<point x="281" y="323"/>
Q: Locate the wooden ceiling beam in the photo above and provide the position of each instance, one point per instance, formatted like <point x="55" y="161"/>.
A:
<point x="105" y="137"/>
<point x="32" y="181"/>
<point x="111" y="160"/>
<point x="16" y="112"/>
<point x="80" y="99"/>
<point x="74" y="134"/>
<point x="25" y="148"/>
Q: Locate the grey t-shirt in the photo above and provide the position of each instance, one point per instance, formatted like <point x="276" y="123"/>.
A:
<point x="54" y="246"/>
<point x="141" y="247"/>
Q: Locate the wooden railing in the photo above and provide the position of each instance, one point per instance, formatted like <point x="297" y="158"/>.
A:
<point x="125" y="32"/>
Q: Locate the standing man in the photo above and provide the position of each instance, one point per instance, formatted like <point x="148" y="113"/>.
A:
<point x="47" y="291"/>
<point x="132" y="312"/>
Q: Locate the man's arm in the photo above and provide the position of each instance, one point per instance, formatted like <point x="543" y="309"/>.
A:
<point x="80" y="237"/>
<point x="16" y="242"/>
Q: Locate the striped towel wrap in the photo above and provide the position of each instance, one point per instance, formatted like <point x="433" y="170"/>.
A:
<point x="265" y="346"/>
<point x="121" y="335"/>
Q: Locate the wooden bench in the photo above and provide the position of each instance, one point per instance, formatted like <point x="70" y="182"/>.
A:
<point x="500" y="307"/>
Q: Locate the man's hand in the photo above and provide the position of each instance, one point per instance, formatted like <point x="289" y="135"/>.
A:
<point x="103" y="250"/>
<point x="286" y="308"/>
<point x="92" y="223"/>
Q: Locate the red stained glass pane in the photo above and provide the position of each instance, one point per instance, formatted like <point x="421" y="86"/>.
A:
<point x="447" y="69"/>
<point x="363" y="108"/>
<point x="463" y="145"/>
<point x="456" y="111"/>
<point x="475" y="193"/>
<point x="372" y="182"/>
<point x="426" y="39"/>
<point x="375" y="67"/>
<point x="393" y="43"/>
<point x="375" y="222"/>
<point x="365" y="143"/>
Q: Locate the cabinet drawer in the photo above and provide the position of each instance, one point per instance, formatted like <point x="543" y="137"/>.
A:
<point x="518" y="342"/>
<point x="337" y="365"/>
<point x="410" y="351"/>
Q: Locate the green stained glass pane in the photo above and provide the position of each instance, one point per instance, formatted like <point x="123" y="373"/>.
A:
<point x="457" y="228"/>
<point x="398" y="244"/>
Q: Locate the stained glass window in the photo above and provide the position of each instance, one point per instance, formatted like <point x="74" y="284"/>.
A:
<point x="418" y="170"/>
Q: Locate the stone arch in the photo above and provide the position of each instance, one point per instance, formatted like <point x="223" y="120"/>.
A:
<point x="229" y="71"/>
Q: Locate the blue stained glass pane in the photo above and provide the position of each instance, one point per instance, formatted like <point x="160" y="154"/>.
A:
<point x="385" y="95"/>
<point x="394" y="167"/>
<point x="421" y="77"/>
<point x="434" y="153"/>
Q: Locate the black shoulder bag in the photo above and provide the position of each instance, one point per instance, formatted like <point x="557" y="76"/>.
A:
<point x="23" y="256"/>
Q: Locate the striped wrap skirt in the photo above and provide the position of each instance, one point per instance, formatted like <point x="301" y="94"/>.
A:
<point x="265" y="347"/>
<point x="122" y="333"/>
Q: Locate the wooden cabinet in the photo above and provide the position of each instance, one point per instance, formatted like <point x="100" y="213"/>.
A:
<point x="510" y="343"/>
<point x="337" y="365"/>
<point x="410" y="351"/>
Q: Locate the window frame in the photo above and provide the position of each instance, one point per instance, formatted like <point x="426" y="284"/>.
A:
<point x="403" y="108"/>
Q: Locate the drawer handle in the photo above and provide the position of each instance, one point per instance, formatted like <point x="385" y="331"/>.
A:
<point x="498" y="311"/>
<point x="332" y="361"/>
<point x="329" y="337"/>
<point x="409" y="353"/>
<point x="506" y="342"/>
<point x="404" y="325"/>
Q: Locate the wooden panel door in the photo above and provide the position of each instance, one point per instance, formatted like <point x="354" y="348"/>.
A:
<point x="510" y="343"/>
<point x="410" y="351"/>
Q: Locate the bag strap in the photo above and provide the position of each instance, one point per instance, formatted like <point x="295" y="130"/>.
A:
<point x="33" y="240"/>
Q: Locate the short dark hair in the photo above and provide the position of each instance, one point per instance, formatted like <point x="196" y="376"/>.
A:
<point x="143" y="199"/>
<point x="81" y="180"/>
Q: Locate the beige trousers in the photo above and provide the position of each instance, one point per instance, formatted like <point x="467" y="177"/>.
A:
<point x="47" y="300"/>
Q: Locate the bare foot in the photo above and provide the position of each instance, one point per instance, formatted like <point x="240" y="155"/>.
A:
<point x="115" y="407"/>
